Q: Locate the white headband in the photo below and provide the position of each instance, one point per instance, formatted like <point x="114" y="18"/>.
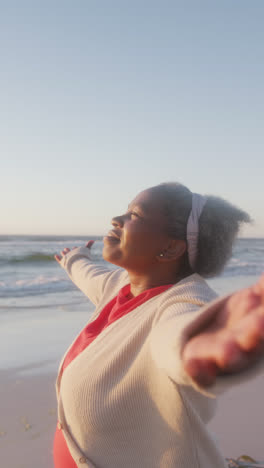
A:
<point x="198" y="202"/>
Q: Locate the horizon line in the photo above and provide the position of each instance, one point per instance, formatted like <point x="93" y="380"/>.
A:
<point x="96" y="235"/>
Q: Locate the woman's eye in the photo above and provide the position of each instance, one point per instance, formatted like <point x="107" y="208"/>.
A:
<point x="133" y="213"/>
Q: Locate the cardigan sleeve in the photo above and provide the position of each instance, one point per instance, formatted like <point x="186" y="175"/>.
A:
<point x="92" y="278"/>
<point x="171" y="334"/>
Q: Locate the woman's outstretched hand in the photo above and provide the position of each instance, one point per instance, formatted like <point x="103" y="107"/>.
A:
<point x="233" y="341"/>
<point x="66" y="250"/>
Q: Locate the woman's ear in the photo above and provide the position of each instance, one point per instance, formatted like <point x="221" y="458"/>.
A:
<point x="175" y="249"/>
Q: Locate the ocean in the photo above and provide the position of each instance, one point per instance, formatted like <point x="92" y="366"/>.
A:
<point x="41" y="310"/>
<point x="29" y="275"/>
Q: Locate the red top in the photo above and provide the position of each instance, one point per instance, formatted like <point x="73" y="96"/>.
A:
<point x="121" y="305"/>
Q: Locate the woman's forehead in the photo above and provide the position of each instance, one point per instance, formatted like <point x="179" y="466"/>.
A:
<point x="149" y="200"/>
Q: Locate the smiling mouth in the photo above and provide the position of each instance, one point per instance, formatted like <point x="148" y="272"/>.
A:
<point x="111" y="240"/>
<point x="112" y="237"/>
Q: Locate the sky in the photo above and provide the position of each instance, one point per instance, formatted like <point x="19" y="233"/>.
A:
<point x="100" y="100"/>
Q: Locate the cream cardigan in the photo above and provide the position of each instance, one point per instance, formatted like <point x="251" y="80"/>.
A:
<point x="125" y="401"/>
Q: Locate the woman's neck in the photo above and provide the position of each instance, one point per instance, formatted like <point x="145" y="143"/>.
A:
<point x="140" y="283"/>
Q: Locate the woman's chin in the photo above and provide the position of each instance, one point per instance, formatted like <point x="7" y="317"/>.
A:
<point x="111" y="253"/>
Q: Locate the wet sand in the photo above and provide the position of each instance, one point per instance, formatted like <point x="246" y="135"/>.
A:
<point x="28" y="420"/>
<point x="239" y="420"/>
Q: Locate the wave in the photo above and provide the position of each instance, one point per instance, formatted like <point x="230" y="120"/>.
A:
<point x="40" y="257"/>
<point x="31" y="258"/>
<point x="240" y="268"/>
<point x="35" y="286"/>
<point x="47" y="239"/>
<point x="42" y="306"/>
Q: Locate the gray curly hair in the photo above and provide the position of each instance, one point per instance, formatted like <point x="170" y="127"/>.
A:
<point x="219" y="225"/>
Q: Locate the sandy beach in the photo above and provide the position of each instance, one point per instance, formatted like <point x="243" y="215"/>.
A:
<point x="238" y="424"/>
<point x="28" y="419"/>
<point x="32" y="343"/>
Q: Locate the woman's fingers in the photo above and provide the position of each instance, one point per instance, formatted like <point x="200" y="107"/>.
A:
<point x="58" y="258"/>
<point x="232" y="342"/>
<point x="227" y="351"/>
<point x="259" y="288"/>
<point x="64" y="252"/>
<point x="223" y="355"/>
<point x="219" y="347"/>
<point x="250" y="334"/>
<point x="89" y="244"/>
<point x="202" y="372"/>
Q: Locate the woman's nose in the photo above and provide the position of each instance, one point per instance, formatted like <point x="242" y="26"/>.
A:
<point x="117" y="221"/>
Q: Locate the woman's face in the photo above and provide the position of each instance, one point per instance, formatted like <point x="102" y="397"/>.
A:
<point x="138" y="236"/>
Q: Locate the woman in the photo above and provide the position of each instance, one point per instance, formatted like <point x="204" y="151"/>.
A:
<point x="137" y="386"/>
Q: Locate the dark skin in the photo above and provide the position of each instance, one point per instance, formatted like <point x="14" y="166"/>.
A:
<point x="143" y="237"/>
<point x="234" y="339"/>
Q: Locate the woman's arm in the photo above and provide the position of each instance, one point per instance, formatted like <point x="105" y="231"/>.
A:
<point x="91" y="278"/>
<point x="231" y="342"/>
<point x="214" y="347"/>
